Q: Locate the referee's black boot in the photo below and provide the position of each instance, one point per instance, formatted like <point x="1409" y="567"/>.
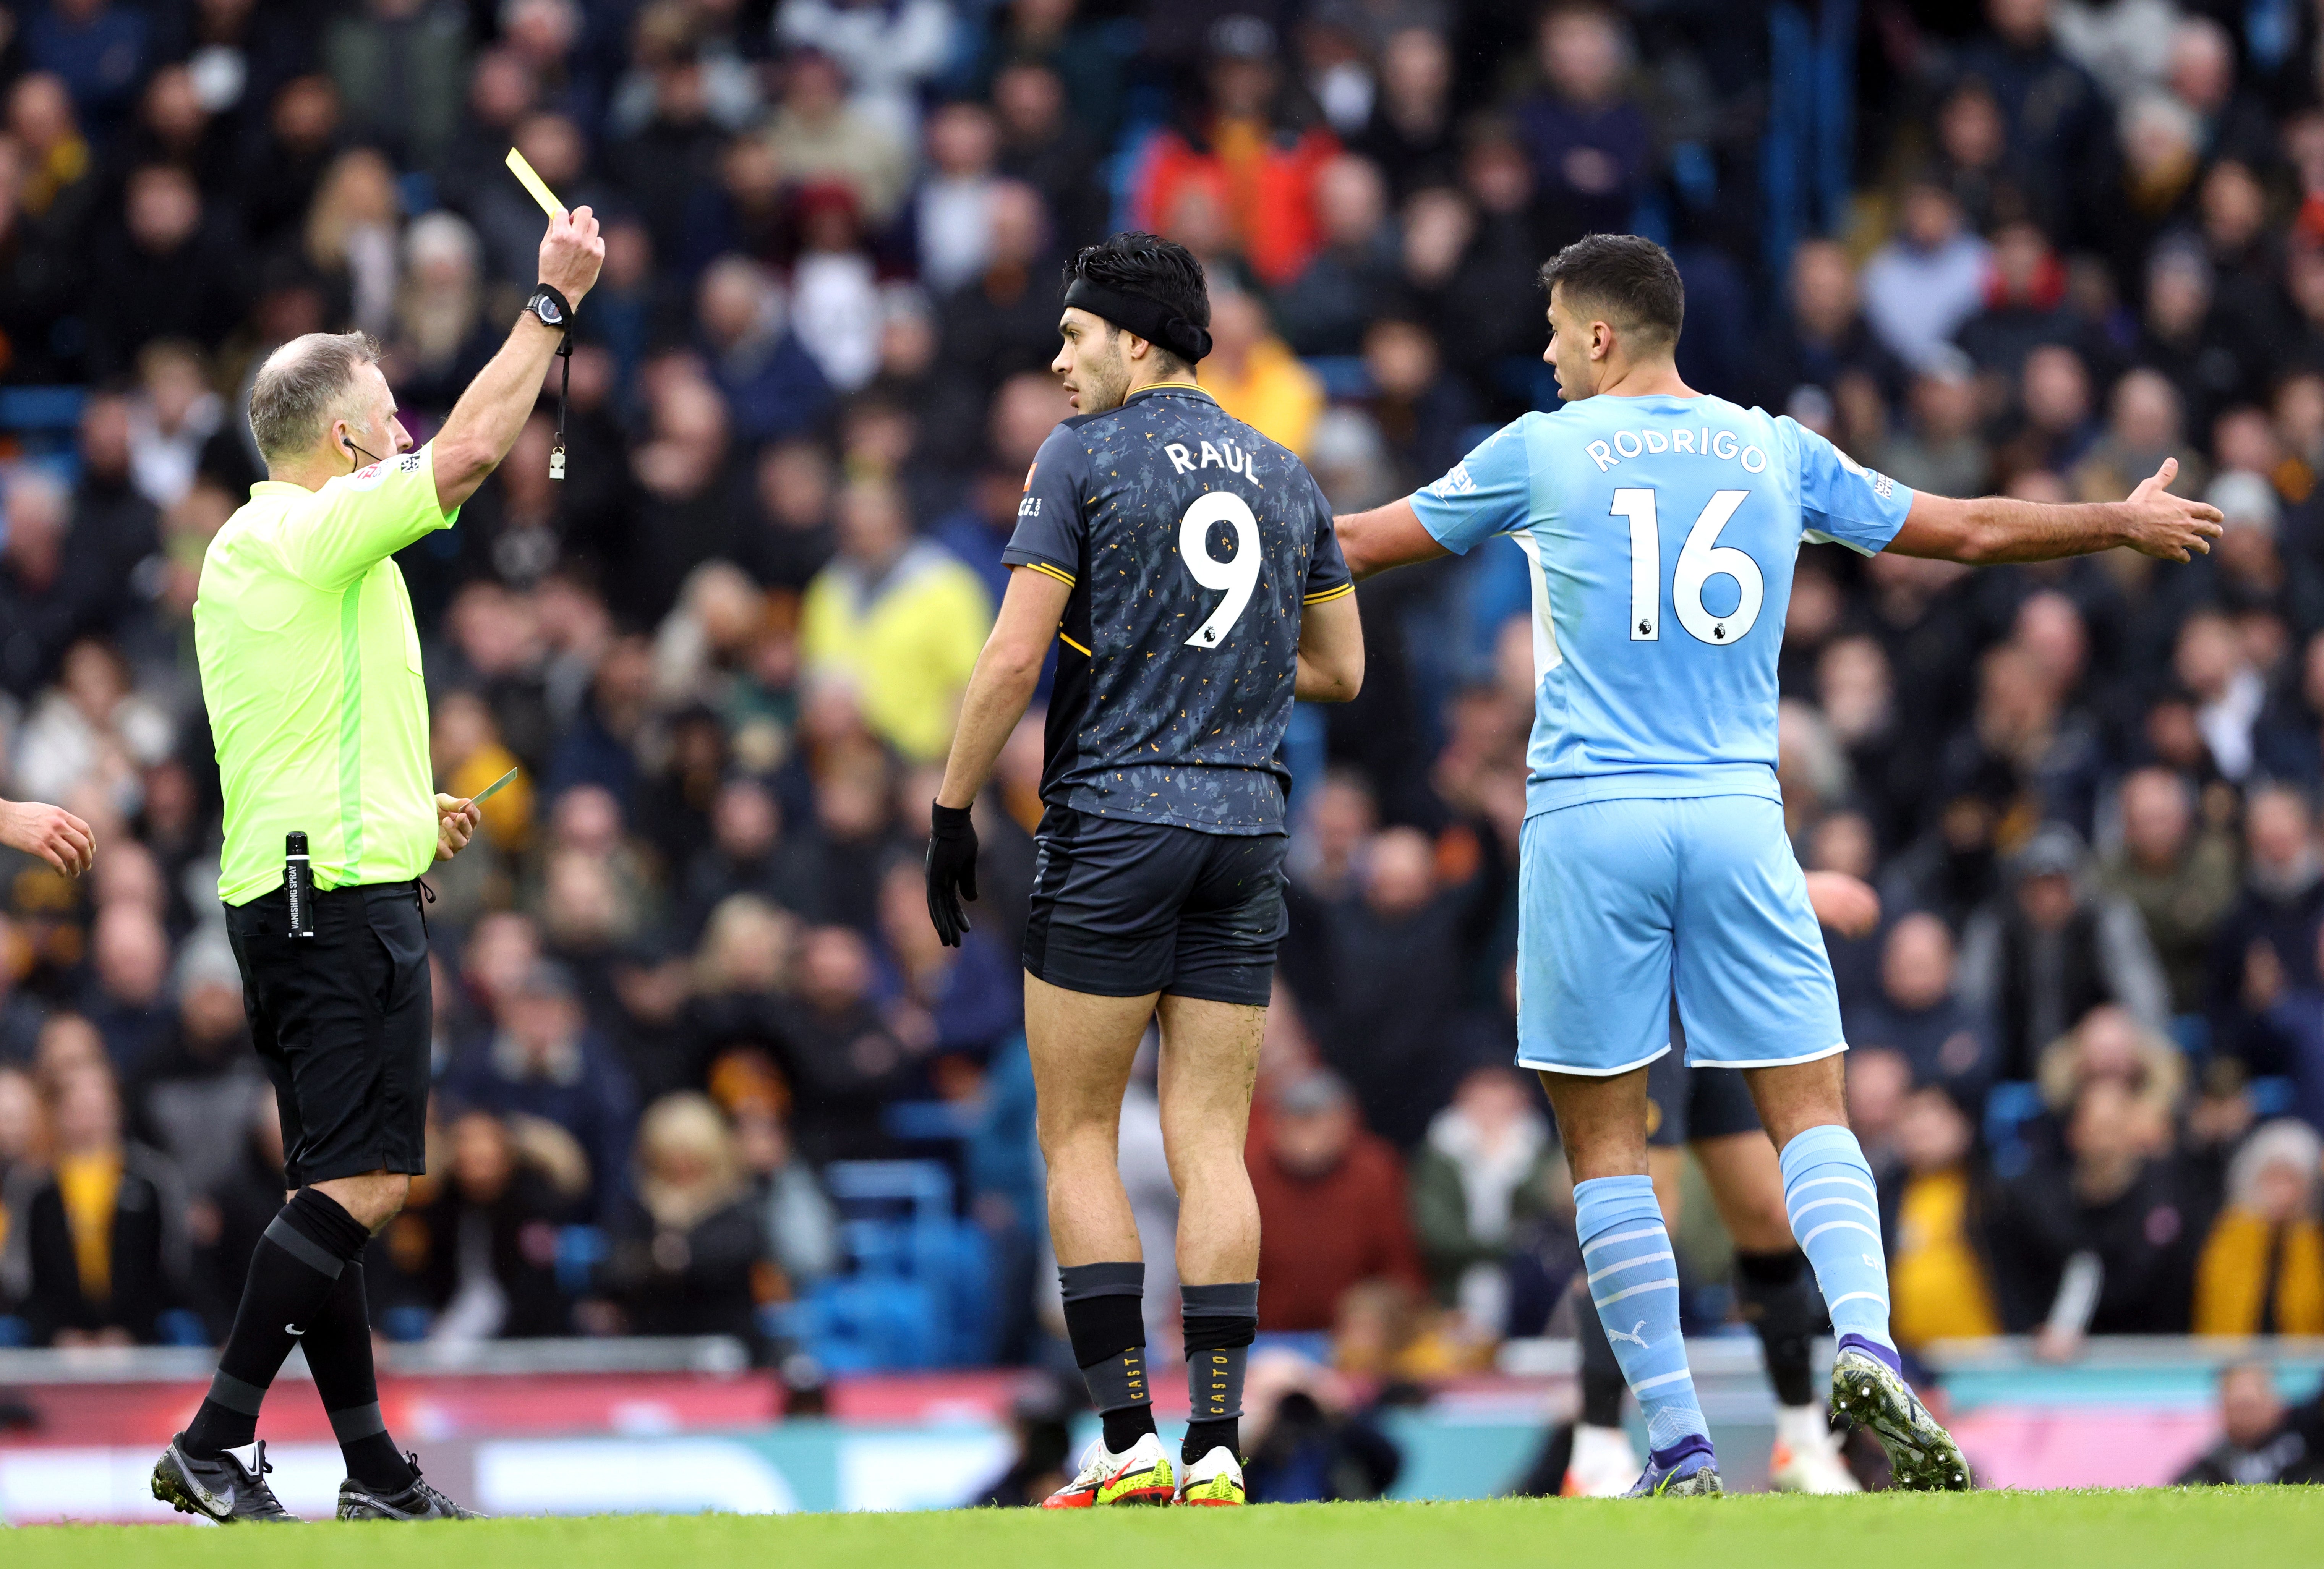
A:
<point x="419" y="1501"/>
<point x="223" y="1490"/>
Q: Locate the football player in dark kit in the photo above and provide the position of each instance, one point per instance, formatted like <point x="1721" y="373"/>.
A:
<point x="1186" y="565"/>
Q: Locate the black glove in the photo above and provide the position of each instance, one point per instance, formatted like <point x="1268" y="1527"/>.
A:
<point x="952" y="870"/>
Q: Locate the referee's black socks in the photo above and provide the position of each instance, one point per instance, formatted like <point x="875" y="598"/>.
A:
<point x="293" y="1274"/>
<point x="1105" y="1318"/>
<point x="339" y="1354"/>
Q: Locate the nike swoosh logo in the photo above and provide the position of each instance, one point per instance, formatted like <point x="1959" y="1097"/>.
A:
<point x="293" y="1330"/>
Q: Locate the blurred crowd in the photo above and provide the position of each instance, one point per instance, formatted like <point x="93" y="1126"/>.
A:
<point x="684" y="981"/>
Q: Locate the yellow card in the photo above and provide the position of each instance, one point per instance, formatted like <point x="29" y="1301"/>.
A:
<point x="532" y="182"/>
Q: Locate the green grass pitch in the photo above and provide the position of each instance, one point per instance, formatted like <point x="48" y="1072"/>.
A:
<point x="2231" y="1528"/>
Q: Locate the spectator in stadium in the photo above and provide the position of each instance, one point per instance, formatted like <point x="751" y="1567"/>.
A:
<point x="2110" y="1045"/>
<point x="1588" y="139"/>
<point x="1932" y="1209"/>
<point x="951" y="209"/>
<point x="687" y="1254"/>
<point x="23" y="1125"/>
<point x="801" y="1226"/>
<point x="400" y="67"/>
<point x="2180" y="876"/>
<point x="481" y="1254"/>
<point x="895" y="620"/>
<point x="97" y="1251"/>
<point x="1925" y="282"/>
<point x="2266" y="944"/>
<point x="2117" y="1197"/>
<point x="2038" y="959"/>
<point x="543" y="1059"/>
<point x="129" y="1001"/>
<point x="1353" y="277"/>
<point x="1332" y="1204"/>
<point x="1241" y="147"/>
<point x="1918" y="1015"/>
<point x="1310" y="1441"/>
<point x="772" y="385"/>
<point x="959" y="1001"/>
<point x="842" y="1060"/>
<point x="2261" y="1438"/>
<point x="1823" y="338"/>
<point x="199" y="1073"/>
<point x="2262" y="1267"/>
<point x="1487" y="1169"/>
<point x="818" y="134"/>
<point x="1382" y="1024"/>
<point x="1255" y="376"/>
<point x="1413" y="134"/>
<point x="166" y="270"/>
<point x="1424" y="413"/>
<point x="1939" y="450"/>
<point x="2286" y="1040"/>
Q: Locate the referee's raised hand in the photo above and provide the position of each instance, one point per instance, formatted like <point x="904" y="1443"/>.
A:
<point x="52" y="832"/>
<point x="571" y="252"/>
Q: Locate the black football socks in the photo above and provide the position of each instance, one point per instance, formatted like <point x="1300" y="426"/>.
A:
<point x="1779" y="1299"/>
<point x="297" y="1265"/>
<point x="1221" y="1321"/>
<point x="339" y="1354"/>
<point x="1105" y="1319"/>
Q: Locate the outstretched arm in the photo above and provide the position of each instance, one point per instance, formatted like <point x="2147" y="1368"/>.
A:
<point x="483" y="424"/>
<point x="1385" y="537"/>
<point x="1992" y="530"/>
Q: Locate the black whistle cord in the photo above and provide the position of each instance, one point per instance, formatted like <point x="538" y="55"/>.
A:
<point x="564" y="392"/>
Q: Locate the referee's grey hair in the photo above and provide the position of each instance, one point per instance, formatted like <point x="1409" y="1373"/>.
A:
<point x="301" y="388"/>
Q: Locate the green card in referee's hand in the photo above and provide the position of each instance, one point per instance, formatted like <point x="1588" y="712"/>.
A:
<point x="492" y="789"/>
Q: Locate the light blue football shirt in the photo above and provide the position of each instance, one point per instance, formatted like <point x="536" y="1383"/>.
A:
<point x="1661" y="534"/>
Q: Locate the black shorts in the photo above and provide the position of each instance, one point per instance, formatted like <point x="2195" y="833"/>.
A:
<point x="343" y="1022"/>
<point x="1685" y="1104"/>
<point x="1123" y="908"/>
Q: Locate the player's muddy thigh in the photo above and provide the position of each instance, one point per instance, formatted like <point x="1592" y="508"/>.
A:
<point x="1210" y="1060"/>
<point x="1601" y="1121"/>
<point x="1081" y="1048"/>
<point x="1800" y="1096"/>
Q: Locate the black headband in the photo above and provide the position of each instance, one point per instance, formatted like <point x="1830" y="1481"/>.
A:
<point x="1148" y="318"/>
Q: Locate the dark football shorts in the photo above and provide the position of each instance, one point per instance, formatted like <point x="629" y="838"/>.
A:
<point x="343" y="1022"/>
<point x="1123" y="908"/>
<point x="1685" y="1104"/>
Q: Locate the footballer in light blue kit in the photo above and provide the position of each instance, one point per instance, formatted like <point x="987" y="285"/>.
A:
<point x="1660" y="527"/>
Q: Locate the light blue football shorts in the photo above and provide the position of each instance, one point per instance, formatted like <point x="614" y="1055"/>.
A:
<point x="1623" y="903"/>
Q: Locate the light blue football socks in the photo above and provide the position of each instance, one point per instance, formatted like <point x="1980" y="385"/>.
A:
<point x="1835" y="1214"/>
<point x="1633" y="1278"/>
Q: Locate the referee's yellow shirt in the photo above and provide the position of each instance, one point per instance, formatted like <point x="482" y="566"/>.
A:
<point x="310" y="670"/>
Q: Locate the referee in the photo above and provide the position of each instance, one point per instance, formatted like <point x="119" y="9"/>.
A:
<point x="310" y="670"/>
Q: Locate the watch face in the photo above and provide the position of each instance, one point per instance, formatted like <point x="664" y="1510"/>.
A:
<point x="546" y="308"/>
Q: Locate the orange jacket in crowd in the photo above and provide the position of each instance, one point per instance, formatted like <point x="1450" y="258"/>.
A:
<point x="1262" y="177"/>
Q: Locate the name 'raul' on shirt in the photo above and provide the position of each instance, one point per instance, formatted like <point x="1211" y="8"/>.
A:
<point x="1701" y="441"/>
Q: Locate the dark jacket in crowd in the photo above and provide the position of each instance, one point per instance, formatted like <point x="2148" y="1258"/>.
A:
<point x="148" y="1260"/>
<point x="703" y="1279"/>
<point x="2146" y="1240"/>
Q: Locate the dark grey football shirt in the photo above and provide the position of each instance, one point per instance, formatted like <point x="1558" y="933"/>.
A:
<point x="1193" y="544"/>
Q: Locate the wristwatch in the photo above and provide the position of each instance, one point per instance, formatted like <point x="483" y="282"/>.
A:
<point x="553" y="310"/>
